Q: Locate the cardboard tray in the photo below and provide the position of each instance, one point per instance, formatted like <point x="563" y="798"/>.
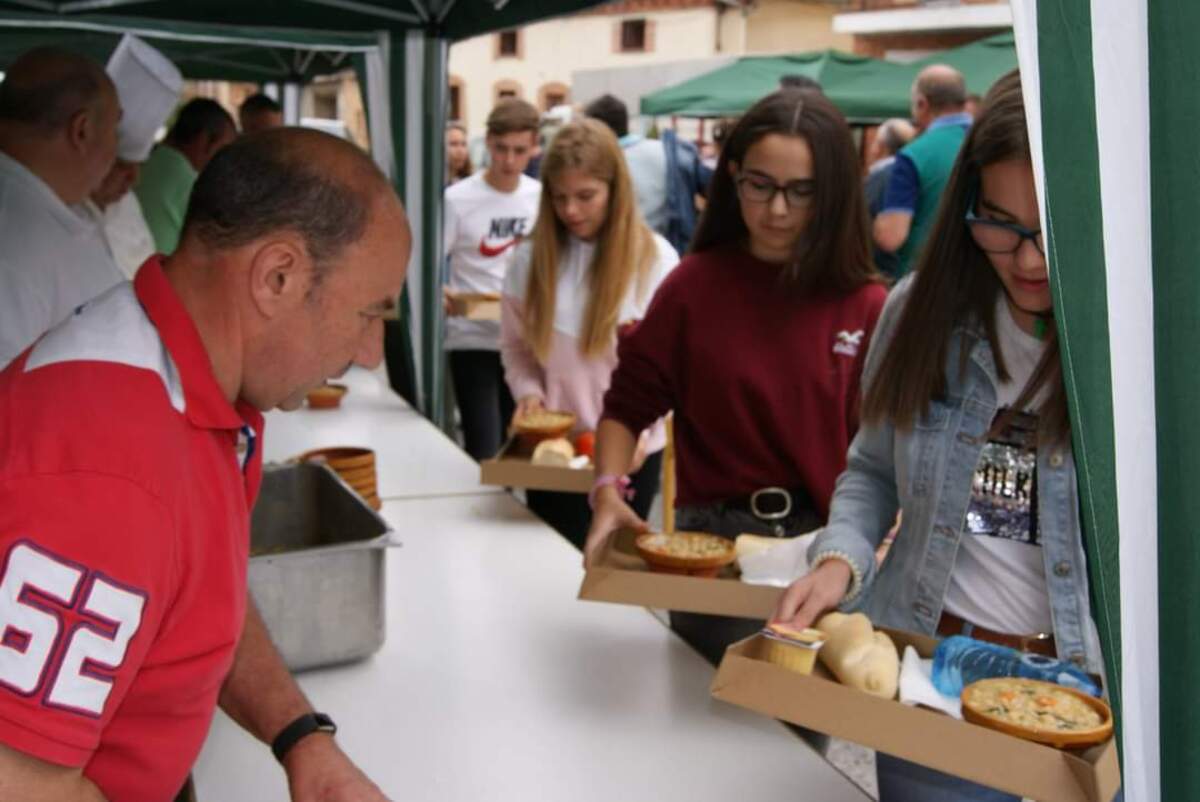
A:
<point x="922" y="736"/>
<point x="512" y="468"/>
<point x="622" y="577"/>
<point x="475" y="305"/>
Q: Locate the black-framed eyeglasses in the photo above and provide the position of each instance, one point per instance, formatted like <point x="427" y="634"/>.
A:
<point x="999" y="236"/>
<point x="756" y="188"/>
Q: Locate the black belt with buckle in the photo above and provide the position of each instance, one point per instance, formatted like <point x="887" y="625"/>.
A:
<point x="773" y="505"/>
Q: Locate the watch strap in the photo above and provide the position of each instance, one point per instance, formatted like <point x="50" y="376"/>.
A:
<point x="301" y="727"/>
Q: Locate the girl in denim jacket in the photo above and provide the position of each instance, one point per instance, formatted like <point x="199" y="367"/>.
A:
<point x="965" y="433"/>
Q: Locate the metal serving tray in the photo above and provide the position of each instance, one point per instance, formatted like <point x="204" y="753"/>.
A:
<point x="317" y="567"/>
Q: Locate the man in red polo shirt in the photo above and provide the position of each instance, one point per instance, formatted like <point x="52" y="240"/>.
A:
<point x="129" y="462"/>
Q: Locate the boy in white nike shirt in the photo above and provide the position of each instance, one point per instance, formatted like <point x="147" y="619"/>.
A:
<point x="486" y="215"/>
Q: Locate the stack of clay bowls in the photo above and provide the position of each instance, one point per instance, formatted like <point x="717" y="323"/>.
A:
<point x="356" y="467"/>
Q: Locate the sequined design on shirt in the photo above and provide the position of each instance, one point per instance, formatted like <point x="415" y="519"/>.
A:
<point x="1004" y="488"/>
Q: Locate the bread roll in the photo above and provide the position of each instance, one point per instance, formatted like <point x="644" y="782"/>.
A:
<point x="749" y="545"/>
<point x="858" y="655"/>
<point x="557" y="452"/>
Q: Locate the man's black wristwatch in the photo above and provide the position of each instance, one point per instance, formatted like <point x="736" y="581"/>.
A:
<point x="305" y="725"/>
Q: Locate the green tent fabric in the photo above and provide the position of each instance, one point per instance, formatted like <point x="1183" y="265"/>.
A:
<point x="200" y="51"/>
<point x="1110" y="95"/>
<point x="981" y="63"/>
<point x="865" y="89"/>
<point x="732" y="89"/>
<point x="448" y="19"/>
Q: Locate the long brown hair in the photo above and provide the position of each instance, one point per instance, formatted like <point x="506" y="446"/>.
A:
<point x="956" y="288"/>
<point x="625" y="246"/>
<point x="834" y="252"/>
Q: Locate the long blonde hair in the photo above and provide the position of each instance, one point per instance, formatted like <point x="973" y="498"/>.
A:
<point x="625" y="247"/>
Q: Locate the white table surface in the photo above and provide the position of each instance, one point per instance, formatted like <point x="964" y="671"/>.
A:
<point x="495" y="683"/>
<point x="412" y="458"/>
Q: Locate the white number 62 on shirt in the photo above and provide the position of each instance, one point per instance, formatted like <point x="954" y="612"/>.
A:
<point x="34" y="584"/>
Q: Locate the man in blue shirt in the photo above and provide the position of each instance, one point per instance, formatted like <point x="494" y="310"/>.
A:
<point x="667" y="174"/>
<point x="890" y="137"/>
<point x="922" y="167"/>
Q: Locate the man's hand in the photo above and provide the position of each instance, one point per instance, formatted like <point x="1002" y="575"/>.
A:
<point x="447" y="301"/>
<point x="319" y="771"/>
<point x="262" y="696"/>
<point x="813" y="594"/>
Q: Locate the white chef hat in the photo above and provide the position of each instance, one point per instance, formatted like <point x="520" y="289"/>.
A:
<point x="148" y="85"/>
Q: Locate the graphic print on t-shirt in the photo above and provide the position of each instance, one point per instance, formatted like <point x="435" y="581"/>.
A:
<point x="45" y="598"/>
<point x="503" y="233"/>
<point x="1004" y="488"/>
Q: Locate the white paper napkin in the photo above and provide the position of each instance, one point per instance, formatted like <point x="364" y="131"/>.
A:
<point x="916" y="685"/>
<point x="779" y="565"/>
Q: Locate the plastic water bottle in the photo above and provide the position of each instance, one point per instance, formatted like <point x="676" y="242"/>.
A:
<point x="959" y="661"/>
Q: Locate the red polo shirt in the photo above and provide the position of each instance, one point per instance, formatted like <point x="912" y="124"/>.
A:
<point x="126" y="482"/>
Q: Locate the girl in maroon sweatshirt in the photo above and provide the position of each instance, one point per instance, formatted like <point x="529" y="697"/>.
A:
<point x="756" y="341"/>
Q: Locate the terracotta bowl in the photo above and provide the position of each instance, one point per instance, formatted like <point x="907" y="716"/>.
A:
<point x="354" y="476"/>
<point x="531" y="432"/>
<point x="328" y="396"/>
<point x="341" y="458"/>
<point x="1072" y="739"/>
<point x="666" y="553"/>
<point x="366" y="487"/>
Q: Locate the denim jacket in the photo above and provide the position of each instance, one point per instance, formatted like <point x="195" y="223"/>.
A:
<point x="927" y="472"/>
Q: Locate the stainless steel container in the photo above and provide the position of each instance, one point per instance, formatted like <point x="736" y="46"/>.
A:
<point x="317" y="567"/>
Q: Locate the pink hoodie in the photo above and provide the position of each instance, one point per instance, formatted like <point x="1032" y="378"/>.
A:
<point x="569" y="380"/>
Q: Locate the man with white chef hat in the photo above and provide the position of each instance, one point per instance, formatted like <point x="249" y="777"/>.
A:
<point x="58" y="140"/>
<point x="149" y="86"/>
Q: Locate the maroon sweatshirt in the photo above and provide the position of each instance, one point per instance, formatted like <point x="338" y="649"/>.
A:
<point x="764" y="382"/>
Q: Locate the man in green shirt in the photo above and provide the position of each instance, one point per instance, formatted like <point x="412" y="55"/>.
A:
<point x="922" y="167"/>
<point x="165" y="186"/>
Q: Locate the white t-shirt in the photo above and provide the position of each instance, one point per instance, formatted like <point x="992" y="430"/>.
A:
<point x="54" y="259"/>
<point x="999" y="576"/>
<point x="574" y="271"/>
<point x="482" y="229"/>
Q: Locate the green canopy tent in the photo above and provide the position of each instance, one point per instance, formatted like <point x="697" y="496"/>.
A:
<point x="732" y="89"/>
<point x="201" y="52"/>
<point x="981" y="63"/>
<point x="865" y="89"/>
<point x="398" y="47"/>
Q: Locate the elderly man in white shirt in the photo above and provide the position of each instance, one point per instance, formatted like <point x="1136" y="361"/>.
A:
<point x="58" y="140"/>
<point x="148" y="85"/>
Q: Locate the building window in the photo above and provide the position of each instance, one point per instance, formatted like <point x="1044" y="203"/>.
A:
<point x="457" y="110"/>
<point x="508" y="44"/>
<point x="553" y="94"/>
<point x="505" y="89"/>
<point x="633" y="36"/>
<point x="325" y="102"/>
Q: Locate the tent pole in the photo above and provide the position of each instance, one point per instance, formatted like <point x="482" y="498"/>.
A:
<point x="437" y="79"/>
<point x="291" y="103"/>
